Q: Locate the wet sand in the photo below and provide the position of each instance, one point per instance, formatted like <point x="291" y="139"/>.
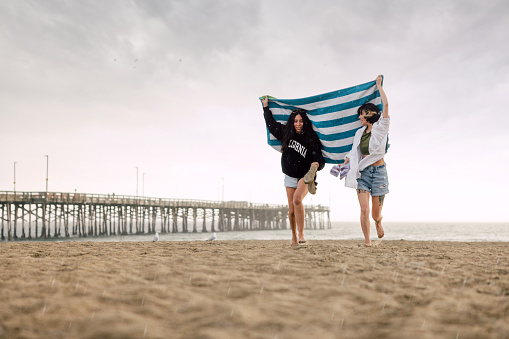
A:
<point x="254" y="289"/>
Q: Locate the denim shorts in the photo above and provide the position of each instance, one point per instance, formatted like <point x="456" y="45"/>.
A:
<point x="291" y="181"/>
<point x="374" y="180"/>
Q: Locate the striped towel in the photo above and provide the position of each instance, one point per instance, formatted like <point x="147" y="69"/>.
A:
<point x="333" y="115"/>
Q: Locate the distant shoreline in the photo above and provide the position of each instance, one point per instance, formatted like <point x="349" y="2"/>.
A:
<point x="108" y="239"/>
<point x="455" y="232"/>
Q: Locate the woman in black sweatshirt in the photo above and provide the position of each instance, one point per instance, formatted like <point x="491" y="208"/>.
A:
<point x="301" y="158"/>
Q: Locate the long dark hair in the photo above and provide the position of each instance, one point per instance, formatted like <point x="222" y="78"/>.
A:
<point x="307" y="130"/>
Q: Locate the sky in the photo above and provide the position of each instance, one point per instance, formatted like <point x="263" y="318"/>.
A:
<point x="161" y="98"/>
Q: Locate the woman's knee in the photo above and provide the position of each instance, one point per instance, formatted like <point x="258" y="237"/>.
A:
<point x="365" y="211"/>
<point x="297" y="201"/>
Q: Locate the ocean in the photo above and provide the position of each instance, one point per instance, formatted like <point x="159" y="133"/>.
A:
<point x="411" y="231"/>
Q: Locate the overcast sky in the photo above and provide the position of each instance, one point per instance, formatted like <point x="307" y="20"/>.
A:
<point x="172" y="87"/>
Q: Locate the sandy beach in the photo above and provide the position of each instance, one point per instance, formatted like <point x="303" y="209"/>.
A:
<point x="254" y="289"/>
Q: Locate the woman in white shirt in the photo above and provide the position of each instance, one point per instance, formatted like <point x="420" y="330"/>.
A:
<point x="368" y="173"/>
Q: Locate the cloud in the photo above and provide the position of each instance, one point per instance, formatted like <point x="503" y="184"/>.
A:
<point x="172" y="87"/>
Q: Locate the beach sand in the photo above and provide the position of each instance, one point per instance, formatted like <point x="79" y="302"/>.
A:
<point x="254" y="289"/>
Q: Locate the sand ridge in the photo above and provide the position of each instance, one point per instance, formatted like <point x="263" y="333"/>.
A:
<point x="254" y="289"/>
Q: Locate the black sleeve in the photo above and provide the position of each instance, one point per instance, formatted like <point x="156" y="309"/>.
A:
<point x="274" y="127"/>
<point x="318" y="157"/>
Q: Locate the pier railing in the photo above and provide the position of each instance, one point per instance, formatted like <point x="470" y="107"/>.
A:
<point x="80" y="215"/>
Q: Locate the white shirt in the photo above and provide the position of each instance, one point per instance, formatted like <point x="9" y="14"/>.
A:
<point x="377" y="145"/>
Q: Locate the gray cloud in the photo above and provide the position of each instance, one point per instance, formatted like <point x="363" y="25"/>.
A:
<point x="163" y="84"/>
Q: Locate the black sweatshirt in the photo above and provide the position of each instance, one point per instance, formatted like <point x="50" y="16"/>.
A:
<point x="299" y="155"/>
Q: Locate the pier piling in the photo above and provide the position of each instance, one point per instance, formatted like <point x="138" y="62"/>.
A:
<point x="83" y="215"/>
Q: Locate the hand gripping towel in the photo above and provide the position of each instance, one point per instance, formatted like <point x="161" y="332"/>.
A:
<point x="333" y="115"/>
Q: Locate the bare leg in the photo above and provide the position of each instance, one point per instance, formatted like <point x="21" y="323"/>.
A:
<point x="298" y="197"/>
<point x="376" y="213"/>
<point x="363" y="197"/>
<point x="290" y="192"/>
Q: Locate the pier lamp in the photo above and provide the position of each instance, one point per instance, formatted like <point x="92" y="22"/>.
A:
<point x="136" y="181"/>
<point x="47" y="168"/>
<point x="15" y="176"/>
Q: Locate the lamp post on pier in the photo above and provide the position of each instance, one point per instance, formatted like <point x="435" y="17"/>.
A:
<point x="47" y="171"/>
<point x="15" y="176"/>
<point x="136" y="182"/>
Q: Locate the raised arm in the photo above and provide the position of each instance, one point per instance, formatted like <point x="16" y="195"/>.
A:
<point x="385" y="110"/>
<point x="274" y="127"/>
<point x="265" y="101"/>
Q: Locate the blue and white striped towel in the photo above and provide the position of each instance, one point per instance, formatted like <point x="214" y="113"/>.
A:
<point x="333" y="115"/>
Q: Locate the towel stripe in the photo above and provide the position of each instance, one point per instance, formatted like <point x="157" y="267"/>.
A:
<point x="333" y="116"/>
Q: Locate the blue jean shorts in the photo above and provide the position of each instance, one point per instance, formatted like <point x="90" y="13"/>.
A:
<point x="291" y="181"/>
<point x="374" y="180"/>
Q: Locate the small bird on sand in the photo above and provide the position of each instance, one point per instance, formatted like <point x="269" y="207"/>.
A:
<point x="213" y="237"/>
<point x="156" y="237"/>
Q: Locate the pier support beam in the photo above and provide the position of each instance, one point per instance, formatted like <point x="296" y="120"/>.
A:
<point x="84" y="215"/>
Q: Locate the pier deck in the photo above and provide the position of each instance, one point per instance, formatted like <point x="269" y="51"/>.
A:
<point x="32" y="215"/>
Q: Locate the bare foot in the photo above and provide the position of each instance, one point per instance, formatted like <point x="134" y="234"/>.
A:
<point x="295" y="241"/>
<point x="379" y="228"/>
<point x="302" y="240"/>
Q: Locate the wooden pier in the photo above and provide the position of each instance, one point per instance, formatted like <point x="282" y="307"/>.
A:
<point x="41" y="215"/>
